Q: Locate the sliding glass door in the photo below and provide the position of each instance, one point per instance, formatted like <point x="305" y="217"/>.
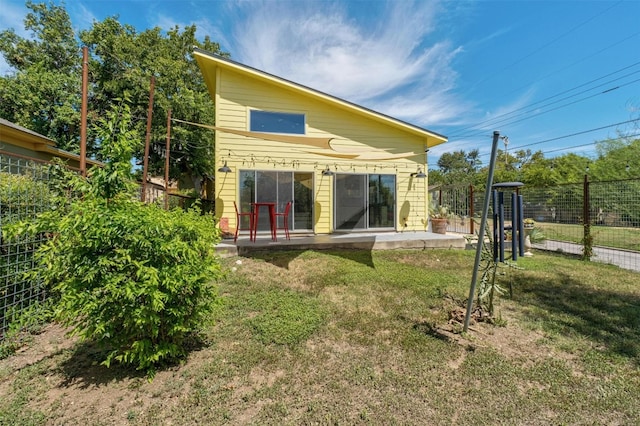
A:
<point x="364" y="201"/>
<point x="382" y="201"/>
<point x="350" y="202"/>
<point x="279" y="188"/>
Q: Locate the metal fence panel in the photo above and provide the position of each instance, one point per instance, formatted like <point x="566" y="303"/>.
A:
<point x="613" y="210"/>
<point x="23" y="194"/>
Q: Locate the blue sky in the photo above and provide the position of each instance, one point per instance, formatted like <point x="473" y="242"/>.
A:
<point x="534" y="70"/>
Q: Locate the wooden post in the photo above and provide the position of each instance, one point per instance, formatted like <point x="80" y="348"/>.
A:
<point x="166" y="162"/>
<point x="83" y="111"/>
<point x="145" y="168"/>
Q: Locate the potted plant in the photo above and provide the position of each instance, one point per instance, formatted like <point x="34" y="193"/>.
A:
<point x="533" y="234"/>
<point x="439" y="218"/>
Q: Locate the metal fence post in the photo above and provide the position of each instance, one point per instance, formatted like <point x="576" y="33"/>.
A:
<point x="587" y="242"/>
<point x="471" y="209"/>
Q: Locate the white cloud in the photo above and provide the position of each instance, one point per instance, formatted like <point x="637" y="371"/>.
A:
<point x="204" y="27"/>
<point x="392" y="67"/>
<point x="81" y="17"/>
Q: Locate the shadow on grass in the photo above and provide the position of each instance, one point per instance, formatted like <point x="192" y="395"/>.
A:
<point x="608" y="318"/>
<point x="283" y="259"/>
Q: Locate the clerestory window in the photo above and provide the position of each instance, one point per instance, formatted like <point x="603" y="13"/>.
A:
<point x="276" y="122"/>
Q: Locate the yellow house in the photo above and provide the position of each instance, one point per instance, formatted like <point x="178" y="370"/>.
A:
<point x="345" y="168"/>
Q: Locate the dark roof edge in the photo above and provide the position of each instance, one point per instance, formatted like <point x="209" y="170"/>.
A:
<point x="388" y="117"/>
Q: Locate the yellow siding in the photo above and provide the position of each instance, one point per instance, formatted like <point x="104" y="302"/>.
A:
<point x="236" y="94"/>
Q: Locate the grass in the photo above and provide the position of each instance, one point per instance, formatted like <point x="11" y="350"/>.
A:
<point x="348" y="337"/>
<point x="606" y="236"/>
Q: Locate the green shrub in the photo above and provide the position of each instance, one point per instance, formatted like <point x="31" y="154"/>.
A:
<point x="134" y="278"/>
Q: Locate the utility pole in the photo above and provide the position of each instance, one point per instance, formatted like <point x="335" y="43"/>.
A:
<point x="506" y="153"/>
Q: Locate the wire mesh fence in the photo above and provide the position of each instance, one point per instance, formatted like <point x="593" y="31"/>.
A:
<point x="597" y="220"/>
<point x="23" y="194"/>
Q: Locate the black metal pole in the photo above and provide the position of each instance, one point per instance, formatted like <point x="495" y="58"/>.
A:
<point x="521" y="224"/>
<point x="494" y="194"/>
<point x="514" y="227"/>
<point x="501" y="224"/>
<point x="483" y="227"/>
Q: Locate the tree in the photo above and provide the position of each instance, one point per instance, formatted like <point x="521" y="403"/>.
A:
<point x="124" y="60"/>
<point x="459" y="167"/>
<point x="42" y="94"/>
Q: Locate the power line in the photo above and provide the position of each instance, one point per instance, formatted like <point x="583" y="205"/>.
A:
<point x="577" y="133"/>
<point x="507" y="122"/>
<point x="541" y="48"/>
<point x="574" y="134"/>
<point x="491" y="120"/>
<point x="433" y="165"/>
<point x="555" y="72"/>
<point x="582" y="145"/>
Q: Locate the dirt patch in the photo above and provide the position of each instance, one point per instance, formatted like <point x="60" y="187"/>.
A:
<point x="51" y="340"/>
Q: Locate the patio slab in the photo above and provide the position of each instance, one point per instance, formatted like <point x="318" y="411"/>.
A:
<point x="359" y="241"/>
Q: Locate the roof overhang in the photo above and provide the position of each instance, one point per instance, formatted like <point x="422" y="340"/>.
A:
<point x="210" y="62"/>
<point x="22" y="137"/>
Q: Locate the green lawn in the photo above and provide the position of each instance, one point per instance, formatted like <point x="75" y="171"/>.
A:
<point x="607" y="236"/>
<point x="349" y="337"/>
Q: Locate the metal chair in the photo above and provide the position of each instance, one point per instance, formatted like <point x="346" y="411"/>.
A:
<point x="239" y="217"/>
<point x="285" y="220"/>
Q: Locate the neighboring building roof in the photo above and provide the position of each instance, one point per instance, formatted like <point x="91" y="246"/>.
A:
<point x="21" y="136"/>
<point x="208" y="63"/>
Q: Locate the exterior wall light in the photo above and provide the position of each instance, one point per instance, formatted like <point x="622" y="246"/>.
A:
<point x="327" y="172"/>
<point x="420" y="174"/>
<point x="225" y="168"/>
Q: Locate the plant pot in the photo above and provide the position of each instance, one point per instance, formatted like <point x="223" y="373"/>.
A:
<point x="439" y="226"/>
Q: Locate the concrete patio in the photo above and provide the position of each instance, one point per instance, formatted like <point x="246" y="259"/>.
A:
<point x="359" y="241"/>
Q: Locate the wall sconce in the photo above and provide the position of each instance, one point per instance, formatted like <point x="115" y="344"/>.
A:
<point x="225" y="168"/>
<point x="419" y="175"/>
<point x="327" y="172"/>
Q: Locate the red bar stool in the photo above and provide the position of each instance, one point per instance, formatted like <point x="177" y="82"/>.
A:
<point x="285" y="220"/>
<point x="239" y="217"/>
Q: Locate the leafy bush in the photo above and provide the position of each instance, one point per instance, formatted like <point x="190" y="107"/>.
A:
<point x="132" y="277"/>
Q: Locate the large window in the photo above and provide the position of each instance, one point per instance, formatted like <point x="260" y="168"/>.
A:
<point x="276" y="122"/>
<point x="280" y="188"/>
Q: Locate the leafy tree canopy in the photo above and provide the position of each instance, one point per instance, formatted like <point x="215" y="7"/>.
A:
<point x="618" y="158"/>
<point x="43" y="92"/>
